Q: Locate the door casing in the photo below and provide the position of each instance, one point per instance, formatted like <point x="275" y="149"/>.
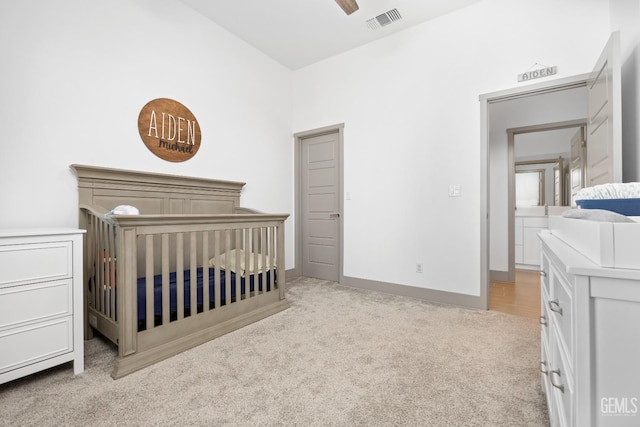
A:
<point x="485" y="100"/>
<point x="298" y="170"/>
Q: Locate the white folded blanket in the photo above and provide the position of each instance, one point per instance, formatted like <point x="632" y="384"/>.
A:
<point x="629" y="190"/>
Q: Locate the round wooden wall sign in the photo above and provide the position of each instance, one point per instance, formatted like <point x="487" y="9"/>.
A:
<point x="169" y="130"/>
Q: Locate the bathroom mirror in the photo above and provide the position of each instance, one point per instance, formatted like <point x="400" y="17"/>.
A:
<point x="541" y="182"/>
<point x="543" y="167"/>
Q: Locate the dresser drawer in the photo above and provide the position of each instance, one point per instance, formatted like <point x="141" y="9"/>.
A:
<point x="34" y="343"/>
<point x="560" y="311"/>
<point x="547" y="388"/>
<point x="562" y="389"/>
<point x="35" y="262"/>
<point x="545" y="272"/>
<point x="32" y="303"/>
<point x="544" y="315"/>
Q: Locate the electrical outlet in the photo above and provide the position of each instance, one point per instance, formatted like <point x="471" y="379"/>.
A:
<point x="419" y="267"/>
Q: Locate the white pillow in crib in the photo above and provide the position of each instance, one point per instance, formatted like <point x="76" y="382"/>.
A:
<point x="230" y="264"/>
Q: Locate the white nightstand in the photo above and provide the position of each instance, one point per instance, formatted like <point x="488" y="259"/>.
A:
<point x="41" y="313"/>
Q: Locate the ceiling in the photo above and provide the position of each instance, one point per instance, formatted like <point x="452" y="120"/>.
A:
<point x="297" y="33"/>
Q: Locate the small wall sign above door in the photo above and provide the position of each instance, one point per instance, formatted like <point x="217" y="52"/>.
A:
<point x="169" y="130"/>
<point x="543" y="71"/>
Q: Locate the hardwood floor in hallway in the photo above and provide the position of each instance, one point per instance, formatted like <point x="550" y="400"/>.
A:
<point x="521" y="298"/>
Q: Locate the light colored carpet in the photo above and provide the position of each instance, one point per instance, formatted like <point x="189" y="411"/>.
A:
<point x="337" y="357"/>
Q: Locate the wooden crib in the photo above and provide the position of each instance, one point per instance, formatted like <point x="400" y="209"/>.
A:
<point x="190" y="267"/>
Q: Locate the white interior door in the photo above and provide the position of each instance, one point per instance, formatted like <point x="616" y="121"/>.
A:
<point x="604" y="128"/>
<point x="320" y="184"/>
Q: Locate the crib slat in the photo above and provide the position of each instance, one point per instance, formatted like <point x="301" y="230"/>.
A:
<point x="263" y="255"/>
<point x="111" y="268"/>
<point x="205" y="272"/>
<point x="194" y="274"/>
<point x="180" y="275"/>
<point x="227" y="274"/>
<point x="247" y="260"/>
<point x="216" y="271"/>
<point x="264" y="234"/>
<point x="165" y="279"/>
<point x="255" y="253"/>
<point x="149" y="281"/>
<point x="238" y="246"/>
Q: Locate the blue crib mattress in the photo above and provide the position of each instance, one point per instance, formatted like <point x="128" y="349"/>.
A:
<point x="173" y="300"/>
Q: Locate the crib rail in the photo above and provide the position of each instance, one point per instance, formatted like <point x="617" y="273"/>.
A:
<point x="100" y="273"/>
<point x="121" y="250"/>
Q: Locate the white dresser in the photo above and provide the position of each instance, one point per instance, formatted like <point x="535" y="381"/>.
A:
<point x="40" y="301"/>
<point x="527" y="244"/>
<point x="590" y="339"/>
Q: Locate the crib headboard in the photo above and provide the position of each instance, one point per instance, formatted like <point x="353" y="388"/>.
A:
<point x="155" y="193"/>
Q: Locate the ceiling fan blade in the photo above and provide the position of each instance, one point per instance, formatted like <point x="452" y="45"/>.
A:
<point x="349" y="6"/>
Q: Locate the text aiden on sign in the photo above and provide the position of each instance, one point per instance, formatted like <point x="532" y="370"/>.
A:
<point x="174" y="128"/>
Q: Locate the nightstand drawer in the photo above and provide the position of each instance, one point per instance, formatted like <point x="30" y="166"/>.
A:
<point x="33" y="303"/>
<point x="34" y="343"/>
<point x="35" y="262"/>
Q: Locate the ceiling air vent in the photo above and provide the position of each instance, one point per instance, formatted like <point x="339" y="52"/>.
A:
<point x="384" y="19"/>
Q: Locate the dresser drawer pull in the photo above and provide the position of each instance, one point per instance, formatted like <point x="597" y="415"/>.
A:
<point x="543" y="273"/>
<point x="555" y="379"/>
<point x="555" y="306"/>
<point x="543" y="320"/>
<point x="543" y="368"/>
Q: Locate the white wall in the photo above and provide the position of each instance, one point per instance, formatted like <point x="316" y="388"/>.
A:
<point x="75" y="75"/>
<point x="410" y="104"/>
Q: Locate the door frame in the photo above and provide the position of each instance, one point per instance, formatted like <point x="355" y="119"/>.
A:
<point x="298" y="137"/>
<point x="511" y="185"/>
<point x="485" y="211"/>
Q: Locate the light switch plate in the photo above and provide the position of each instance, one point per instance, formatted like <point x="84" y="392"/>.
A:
<point x="455" y="190"/>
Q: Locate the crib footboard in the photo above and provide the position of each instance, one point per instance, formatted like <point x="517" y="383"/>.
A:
<point x="157" y="285"/>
